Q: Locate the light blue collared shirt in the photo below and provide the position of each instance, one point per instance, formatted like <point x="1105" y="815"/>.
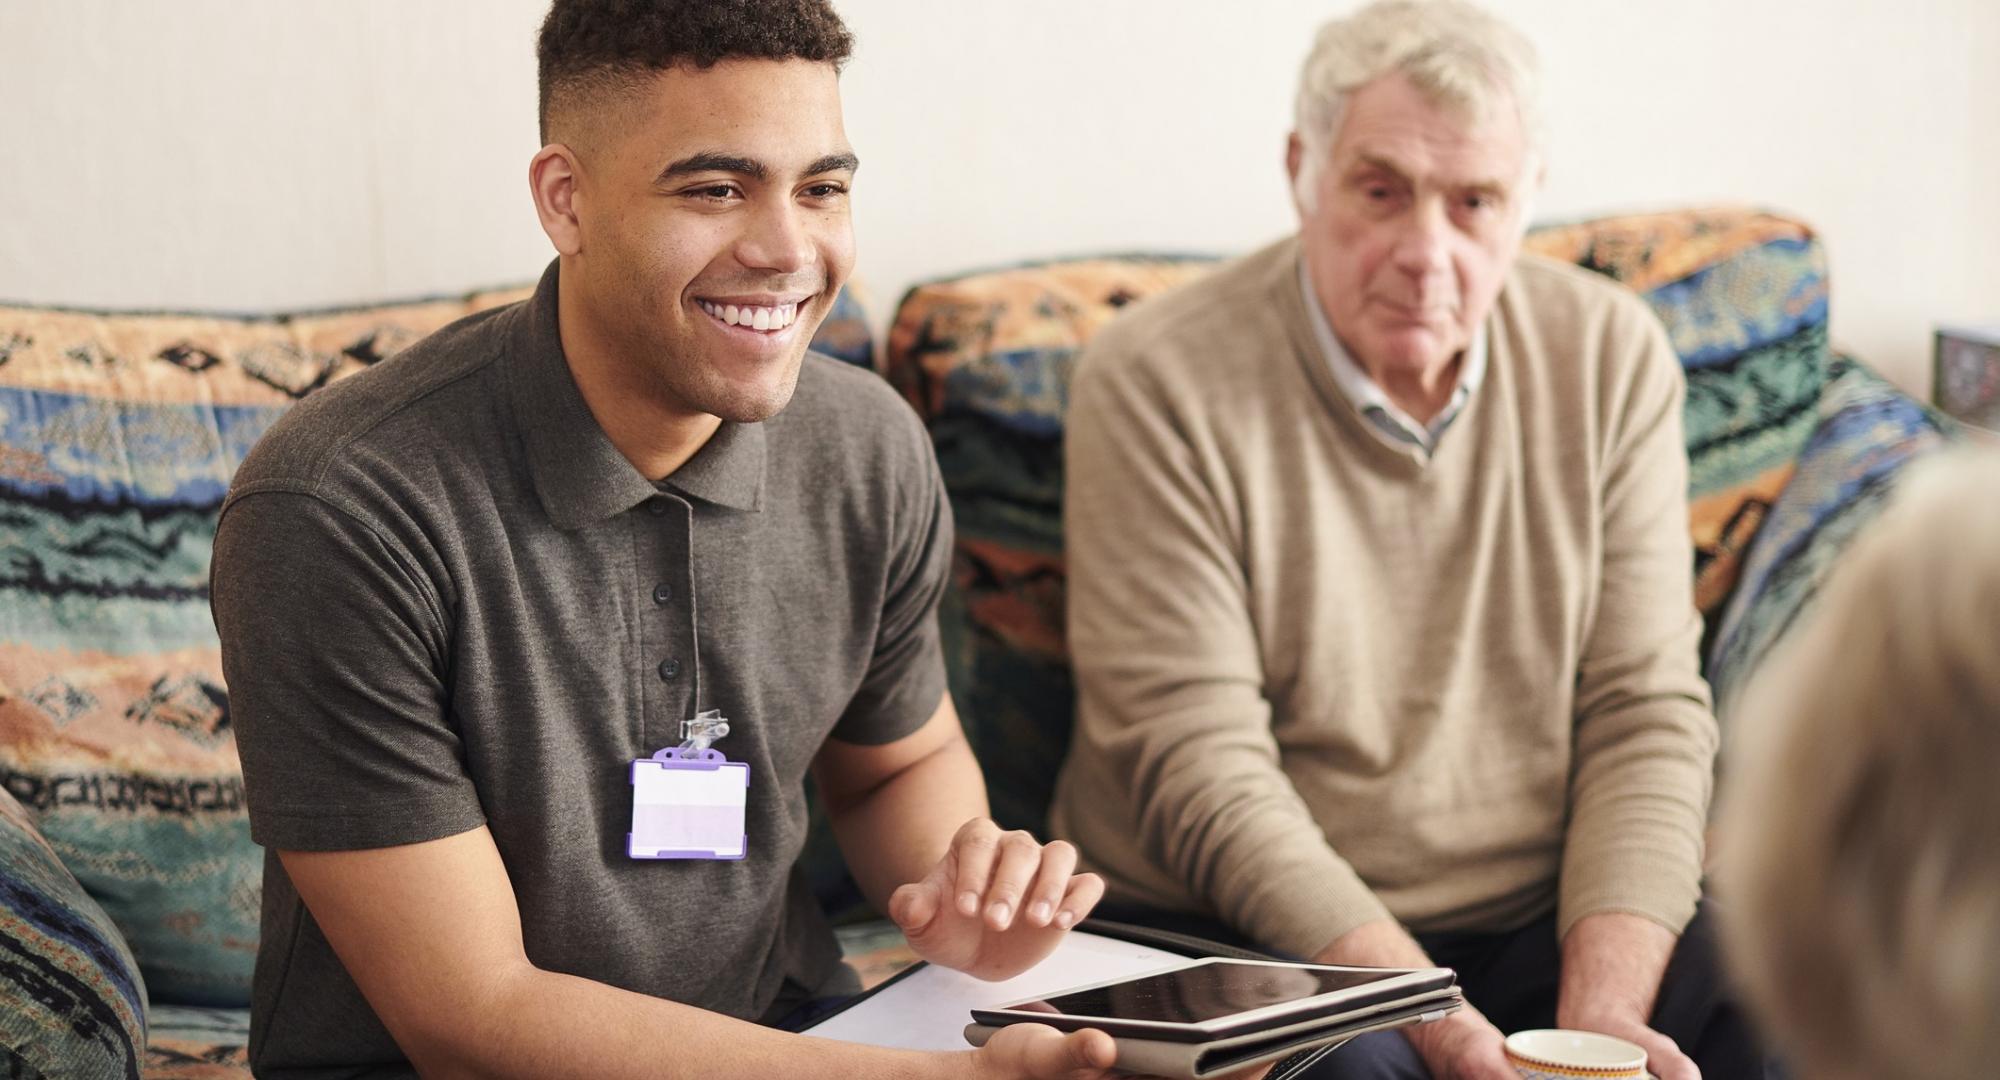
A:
<point x="1387" y="420"/>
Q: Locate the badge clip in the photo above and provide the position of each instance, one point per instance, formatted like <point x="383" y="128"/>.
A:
<point x="688" y="801"/>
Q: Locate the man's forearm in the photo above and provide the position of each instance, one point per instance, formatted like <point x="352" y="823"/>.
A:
<point x="895" y="833"/>
<point x="538" y="1023"/>
<point x="1612" y="963"/>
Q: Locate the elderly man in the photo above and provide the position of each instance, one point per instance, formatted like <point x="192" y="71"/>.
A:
<point x="1381" y="600"/>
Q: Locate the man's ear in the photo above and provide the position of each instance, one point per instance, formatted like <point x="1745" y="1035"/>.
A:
<point x="1295" y="159"/>
<point x="554" y="177"/>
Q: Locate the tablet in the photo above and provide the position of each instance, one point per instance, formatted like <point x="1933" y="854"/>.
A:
<point x="1205" y="1000"/>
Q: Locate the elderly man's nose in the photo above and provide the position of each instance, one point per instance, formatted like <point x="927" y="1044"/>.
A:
<point x="1422" y="247"/>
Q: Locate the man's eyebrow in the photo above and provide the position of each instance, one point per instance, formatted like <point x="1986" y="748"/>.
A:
<point x="834" y="163"/>
<point x="714" y="162"/>
<point x="1381" y="164"/>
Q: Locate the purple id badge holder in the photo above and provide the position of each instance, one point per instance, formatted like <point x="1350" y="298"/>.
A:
<point x="688" y="800"/>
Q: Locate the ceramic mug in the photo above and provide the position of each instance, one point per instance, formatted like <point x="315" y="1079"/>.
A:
<point x="1570" y="1055"/>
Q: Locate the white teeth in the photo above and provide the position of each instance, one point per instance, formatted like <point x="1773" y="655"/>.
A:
<point x="752" y="317"/>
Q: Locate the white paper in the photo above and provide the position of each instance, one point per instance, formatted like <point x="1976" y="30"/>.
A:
<point x="929" y="1008"/>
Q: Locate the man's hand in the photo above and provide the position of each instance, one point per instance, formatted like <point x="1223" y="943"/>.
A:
<point x="1611" y="969"/>
<point x="996" y="904"/>
<point x="1462" y="1046"/>
<point x="1041" y="1052"/>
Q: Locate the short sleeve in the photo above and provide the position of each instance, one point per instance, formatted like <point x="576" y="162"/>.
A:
<point x="905" y="679"/>
<point x="334" y="648"/>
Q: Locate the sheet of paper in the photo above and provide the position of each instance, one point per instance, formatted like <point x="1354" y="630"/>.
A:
<point x="928" y="1009"/>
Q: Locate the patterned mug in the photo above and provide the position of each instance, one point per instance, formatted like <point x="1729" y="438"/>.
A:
<point x="1570" y="1055"/>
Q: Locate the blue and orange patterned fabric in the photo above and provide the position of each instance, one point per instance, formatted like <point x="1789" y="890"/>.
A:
<point x="73" y="1002"/>
<point x="119" y="434"/>
<point x="986" y="359"/>
<point x="1867" y="433"/>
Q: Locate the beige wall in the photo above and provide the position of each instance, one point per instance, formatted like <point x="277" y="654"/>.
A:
<point x="243" y="155"/>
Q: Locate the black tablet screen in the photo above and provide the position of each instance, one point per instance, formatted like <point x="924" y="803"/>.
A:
<point x="1193" y="995"/>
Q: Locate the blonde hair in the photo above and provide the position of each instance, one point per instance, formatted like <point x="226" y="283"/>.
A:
<point x="1464" y="58"/>
<point x="1859" y="840"/>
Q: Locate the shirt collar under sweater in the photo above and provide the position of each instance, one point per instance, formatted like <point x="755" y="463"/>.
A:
<point x="1386" y="419"/>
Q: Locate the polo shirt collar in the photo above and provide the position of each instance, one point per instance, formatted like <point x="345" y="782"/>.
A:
<point x="580" y="477"/>
<point x="728" y="470"/>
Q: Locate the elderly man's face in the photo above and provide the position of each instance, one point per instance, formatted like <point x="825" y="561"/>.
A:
<point x="1418" y="213"/>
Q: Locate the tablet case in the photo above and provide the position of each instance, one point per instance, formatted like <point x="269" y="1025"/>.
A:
<point x="1317" y="1037"/>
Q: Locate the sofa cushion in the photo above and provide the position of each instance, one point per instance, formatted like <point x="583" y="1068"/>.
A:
<point x="189" y="1043"/>
<point x="986" y="359"/>
<point x="73" y="1001"/>
<point x="1743" y="296"/>
<point x="1867" y="433"/>
<point x="118" y="437"/>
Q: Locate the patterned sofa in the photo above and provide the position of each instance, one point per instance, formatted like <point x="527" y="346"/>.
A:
<point x="128" y="885"/>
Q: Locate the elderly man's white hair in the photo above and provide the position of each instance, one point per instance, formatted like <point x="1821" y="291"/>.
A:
<point x="1463" y="58"/>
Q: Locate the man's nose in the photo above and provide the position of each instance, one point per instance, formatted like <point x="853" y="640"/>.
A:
<point x="1423" y="247"/>
<point x="778" y="239"/>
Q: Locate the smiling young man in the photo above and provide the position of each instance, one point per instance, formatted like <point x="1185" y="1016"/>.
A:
<point x="1380" y="602"/>
<point x="461" y="594"/>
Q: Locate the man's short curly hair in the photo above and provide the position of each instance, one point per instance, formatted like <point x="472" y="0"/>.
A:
<point x="588" y="46"/>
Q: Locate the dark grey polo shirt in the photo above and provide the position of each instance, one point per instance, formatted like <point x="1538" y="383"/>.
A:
<point x="446" y="600"/>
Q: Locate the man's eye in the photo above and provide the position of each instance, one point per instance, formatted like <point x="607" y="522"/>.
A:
<point x="714" y="191"/>
<point x="825" y="191"/>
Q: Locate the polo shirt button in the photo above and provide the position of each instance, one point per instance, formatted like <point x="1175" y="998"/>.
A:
<point x="656" y="507"/>
<point x="670" y="669"/>
<point x="662" y="593"/>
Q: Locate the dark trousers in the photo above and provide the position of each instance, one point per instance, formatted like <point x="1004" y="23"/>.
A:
<point x="1513" y="977"/>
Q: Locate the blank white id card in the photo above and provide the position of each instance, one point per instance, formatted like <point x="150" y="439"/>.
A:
<point x="688" y="807"/>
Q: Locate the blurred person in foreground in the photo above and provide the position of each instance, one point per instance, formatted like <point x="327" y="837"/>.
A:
<point x="1857" y="848"/>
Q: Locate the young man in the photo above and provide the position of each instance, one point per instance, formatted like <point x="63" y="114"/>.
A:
<point x="460" y="594"/>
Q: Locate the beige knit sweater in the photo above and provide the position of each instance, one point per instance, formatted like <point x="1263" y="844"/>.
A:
<point x="1322" y="681"/>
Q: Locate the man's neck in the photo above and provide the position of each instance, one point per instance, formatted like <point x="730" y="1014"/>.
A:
<point x="1421" y="394"/>
<point x="656" y="436"/>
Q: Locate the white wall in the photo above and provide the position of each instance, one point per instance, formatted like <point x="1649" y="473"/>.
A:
<point x="243" y="155"/>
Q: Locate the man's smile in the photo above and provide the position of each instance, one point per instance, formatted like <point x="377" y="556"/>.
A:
<point x="758" y="314"/>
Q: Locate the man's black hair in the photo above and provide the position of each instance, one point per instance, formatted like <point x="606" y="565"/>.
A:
<point x="588" y="45"/>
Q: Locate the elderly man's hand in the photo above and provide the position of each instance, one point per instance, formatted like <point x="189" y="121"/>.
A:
<point x="1463" y="1046"/>
<point x="996" y="903"/>
<point x="1611" y="975"/>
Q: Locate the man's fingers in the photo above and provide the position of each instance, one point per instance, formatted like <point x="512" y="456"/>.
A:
<point x="913" y="906"/>
<point x="1051" y="883"/>
<point x="1664" y="1058"/>
<point x="1020" y="856"/>
<point x="1079" y="1053"/>
<point x="1085" y="890"/>
<point x="974" y="848"/>
<point x="1041" y="1051"/>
